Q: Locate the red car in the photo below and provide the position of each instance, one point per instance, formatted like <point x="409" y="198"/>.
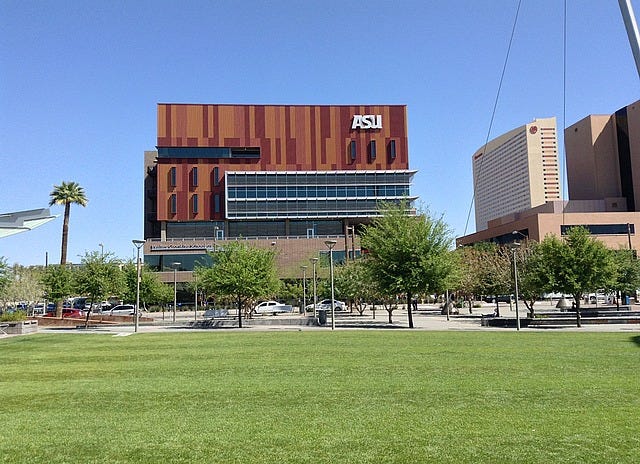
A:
<point x="66" y="312"/>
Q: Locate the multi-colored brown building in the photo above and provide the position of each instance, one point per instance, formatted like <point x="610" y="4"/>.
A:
<point x="269" y="173"/>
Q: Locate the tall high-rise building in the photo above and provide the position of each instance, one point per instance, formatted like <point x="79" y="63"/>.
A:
<point x="603" y="158"/>
<point x="516" y="171"/>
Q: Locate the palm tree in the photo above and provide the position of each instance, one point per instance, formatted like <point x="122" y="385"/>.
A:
<point x="65" y="194"/>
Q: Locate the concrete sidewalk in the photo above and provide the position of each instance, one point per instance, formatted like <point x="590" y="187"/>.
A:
<point x="427" y="317"/>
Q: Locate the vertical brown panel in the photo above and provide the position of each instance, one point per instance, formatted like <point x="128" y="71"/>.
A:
<point x="205" y="123"/>
<point x="168" y="125"/>
<point x="313" y="139"/>
<point x="246" y="129"/>
<point x="180" y="126"/>
<point x="259" y="122"/>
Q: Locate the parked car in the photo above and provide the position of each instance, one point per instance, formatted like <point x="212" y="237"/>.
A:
<point x="38" y="308"/>
<point x="272" y="307"/>
<point x="66" y="313"/>
<point x="120" y="310"/>
<point x="326" y="305"/>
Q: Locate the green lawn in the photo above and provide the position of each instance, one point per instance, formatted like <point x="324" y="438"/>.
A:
<point x="313" y="396"/>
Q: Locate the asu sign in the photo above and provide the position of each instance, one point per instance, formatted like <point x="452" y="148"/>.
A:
<point x="366" y="121"/>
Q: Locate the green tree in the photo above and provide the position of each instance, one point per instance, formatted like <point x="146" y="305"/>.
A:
<point x="353" y="281"/>
<point x="25" y="284"/>
<point x="241" y="272"/>
<point x="626" y="279"/>
<point x="99" y="276"/>
<point x="57" y="281"/>
<point x="534" y="276"/>
<point x="67" y="193"/>
<point x="5" y="278"/>
<point x="577" y="264"/>
<point x="466" y="275"/>
<point x="495" y="275"/>
<point x="152" y="290"/>
<point x="408" y="254"/>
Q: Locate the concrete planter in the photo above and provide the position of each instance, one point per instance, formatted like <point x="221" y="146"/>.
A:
<point x="20" y="327"/>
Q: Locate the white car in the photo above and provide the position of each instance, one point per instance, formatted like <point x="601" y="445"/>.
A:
<point x="326" y="305"/>
<point x="272" y="307"/>
<point x="121" y="310"/>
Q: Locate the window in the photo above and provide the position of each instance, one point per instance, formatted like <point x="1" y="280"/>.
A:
<point x="172" y="177"/>
<point x="216" y="203"/>
<point x="216" y="176"/>
<point x="372" y="150"/>
<point x="209" y="152"/>
<point x="392" y="149"/>
<point x="194" y="203"/>
<point x="352" y="150"/>
<point x="173" y="204"/>
<point x="603" y="229"/>
<point x="194" y="177"/>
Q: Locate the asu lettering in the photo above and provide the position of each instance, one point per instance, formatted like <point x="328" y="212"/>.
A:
<point x="366" y="121"/>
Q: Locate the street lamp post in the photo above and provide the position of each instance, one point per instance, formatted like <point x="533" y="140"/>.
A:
<point x="352" y="231"/>
<point x="102" y="249"/>
<point x="195" y="310"/>
<point x="314" y="261"/>
<point x="175" y="289"/>
<point x="514" y="247"/>
<point x="330" y="244"/>
<point x="304" y="289"/>
<point x="136" y="313"/>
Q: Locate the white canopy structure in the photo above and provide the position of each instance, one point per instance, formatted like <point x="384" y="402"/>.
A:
<point x="21" y="221"/>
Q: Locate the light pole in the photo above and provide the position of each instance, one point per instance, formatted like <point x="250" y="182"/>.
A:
<point x="330" y="244"/>
<point x="175" y="291"/>
<point x="101" y="249"/>
<point x="304" y="289"/>
<point x="352" y="230"/>
<point x="195" y="310"/>
<point x="514" y="246"/>
<point x="314" y="261"/>
<point x="136" y="314"/>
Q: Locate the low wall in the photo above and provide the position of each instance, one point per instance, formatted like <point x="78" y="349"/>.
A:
<point x="20" y="327"/>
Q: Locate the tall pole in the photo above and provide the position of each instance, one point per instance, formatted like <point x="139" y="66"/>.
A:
<point x="515" y="246"/>
<point x="632" y="30"/>
<point x="629" y="234"/>
<point x="136" y="313"/>
<point x="101" y="249"/>
<point x="331" y="244"/>
<point x="195" y="310"/>
<point x="515" y="271"/>
<point x="175" y="289"/>
<point x="304" y="289"/>
<point x="314" y="261"/>
<point x="353" y="243"/>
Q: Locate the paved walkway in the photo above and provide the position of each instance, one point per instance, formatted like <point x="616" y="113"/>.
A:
<point x="427" y="317"/>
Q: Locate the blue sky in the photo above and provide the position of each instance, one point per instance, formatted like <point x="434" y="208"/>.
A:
<point x="79" y="84"/>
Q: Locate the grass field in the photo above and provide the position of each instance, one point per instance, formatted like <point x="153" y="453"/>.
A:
<point x="314" y="397"/>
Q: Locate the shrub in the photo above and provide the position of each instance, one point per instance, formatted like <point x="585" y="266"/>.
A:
<point x="14" y="316"/>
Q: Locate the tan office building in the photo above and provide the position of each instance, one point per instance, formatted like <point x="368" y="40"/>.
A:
<point x="603" y="172"/>
<point x="603" y="159"/>
<point x="516" y="171"/>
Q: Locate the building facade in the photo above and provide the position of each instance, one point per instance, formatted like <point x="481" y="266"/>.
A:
<point x="516" y="171"/>
<point x="271" y="174"/>
<point x="603" y="172"/>
<point x="603" y="158"/>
